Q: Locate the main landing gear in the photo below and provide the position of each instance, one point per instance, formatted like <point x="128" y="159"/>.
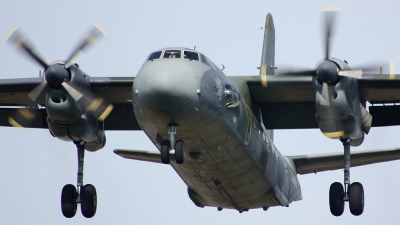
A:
<point x="178" y="152"/>
<point x="85" y="195"/>
<point x="353" y="193"/>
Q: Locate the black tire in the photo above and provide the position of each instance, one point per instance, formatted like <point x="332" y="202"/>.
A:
<point x="165" y="147"/>
<point x="356" y="198"/>
<point x="68" y="200"/>
<point x="336" y="203"/>
<point x="88" y="201"/>
<point x="180" y="152"/>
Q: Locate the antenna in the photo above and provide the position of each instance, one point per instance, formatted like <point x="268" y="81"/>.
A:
<point x="223" y="67"/>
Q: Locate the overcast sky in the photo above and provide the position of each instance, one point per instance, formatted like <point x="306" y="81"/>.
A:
<point x="34" y="166"/>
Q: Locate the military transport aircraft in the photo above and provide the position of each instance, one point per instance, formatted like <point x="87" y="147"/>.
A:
<point x="215" y="131"/>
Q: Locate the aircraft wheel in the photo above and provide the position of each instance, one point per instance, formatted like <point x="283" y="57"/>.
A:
<point x="165" y="147"/>
<point x="336" y="203"/>
<point x="68" y="200"/>
<point x="180" y="151"/>
<point x="88" y="201"/>
<point x="356" y="198"/>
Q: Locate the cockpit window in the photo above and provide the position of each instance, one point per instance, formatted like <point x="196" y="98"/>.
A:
<point x="204" y="60"/>
<point x="154" y="55"/>
<point x="191" y="55"/>
<point x="172" y="54"/>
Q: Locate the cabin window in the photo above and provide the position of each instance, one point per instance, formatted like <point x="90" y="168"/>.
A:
<point x="191" y="55"/>
<point x="232" y="96"/>
<point x="172" y="54"/>
<point x="154" y="55"/>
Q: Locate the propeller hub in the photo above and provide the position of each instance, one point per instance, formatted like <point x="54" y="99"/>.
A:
<point x="327" y="72"/>
<point x="55" y="75"/>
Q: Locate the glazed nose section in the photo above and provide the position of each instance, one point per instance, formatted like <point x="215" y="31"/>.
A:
<point x="166" y="85"/>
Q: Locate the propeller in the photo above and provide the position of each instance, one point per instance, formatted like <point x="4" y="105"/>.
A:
<point x="56" y="74"/>
<point x="328" y="71"/>
<point x="24" y="117"/>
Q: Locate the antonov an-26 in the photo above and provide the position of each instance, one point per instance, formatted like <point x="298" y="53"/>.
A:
<point x="216" y="131"/>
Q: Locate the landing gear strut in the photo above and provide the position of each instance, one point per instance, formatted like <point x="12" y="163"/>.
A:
<point x="85" y="195"/>
<point x="178" y="150"/>
<point x="353" y="193"/>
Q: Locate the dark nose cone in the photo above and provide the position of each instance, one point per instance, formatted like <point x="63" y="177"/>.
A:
<point x="327" y="72"/>
<point x="56" y="74"/>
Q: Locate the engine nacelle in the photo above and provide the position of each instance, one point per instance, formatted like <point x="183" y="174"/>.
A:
<point x="93" y="136"/>
<point x="62" y="108"/>
<point x="68" y="122"/>
<point x="341" y="116"/>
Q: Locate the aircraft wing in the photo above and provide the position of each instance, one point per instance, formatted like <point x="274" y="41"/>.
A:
<point x="288" y="102"/>
<point x="323" y="162"/>
<point x="117" y="90"/>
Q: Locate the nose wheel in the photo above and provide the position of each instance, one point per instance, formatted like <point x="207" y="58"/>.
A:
<point x="85" y="195"/>
<point x="353" y="193"/>
<point x="177" y="153"/>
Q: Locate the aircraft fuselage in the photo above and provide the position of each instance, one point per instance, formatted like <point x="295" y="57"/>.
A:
<point x="231" y="161"/>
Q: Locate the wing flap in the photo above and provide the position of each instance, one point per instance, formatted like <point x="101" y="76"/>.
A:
<point x="147" y="156"/>
<point x="323" y="162"/>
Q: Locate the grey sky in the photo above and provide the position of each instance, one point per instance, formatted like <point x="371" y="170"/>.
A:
<point x="35" y="166"/>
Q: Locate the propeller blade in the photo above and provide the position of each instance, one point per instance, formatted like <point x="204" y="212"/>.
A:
<point x="39" y="90"/>
<point x="371" y="72"/>
<point x="75" y="94"/>
<point x="96" y="106"/>
<point x="327" y="93"/>
<point x="23" y="117"/>
<point x="100" y="108"/>
<point x="88" y="40"/>
<point x="14" y="37"/>
<point x="329" y="14"/>
<point x="351" y="73"/>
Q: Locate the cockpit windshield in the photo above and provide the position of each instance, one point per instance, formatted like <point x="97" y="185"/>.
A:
<point x="178" y="53"/>
<point x="172" y="54"/>
<point x="154" y="55"/>
<point x="191" y="55"/>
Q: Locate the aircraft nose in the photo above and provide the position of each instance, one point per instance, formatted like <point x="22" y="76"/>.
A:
<point x="166" y="85"/>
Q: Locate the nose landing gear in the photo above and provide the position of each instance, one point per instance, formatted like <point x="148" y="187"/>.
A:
<point x="178" y="152"/>
<point x="353" y="193"/>
<point x="85" y="195"/>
